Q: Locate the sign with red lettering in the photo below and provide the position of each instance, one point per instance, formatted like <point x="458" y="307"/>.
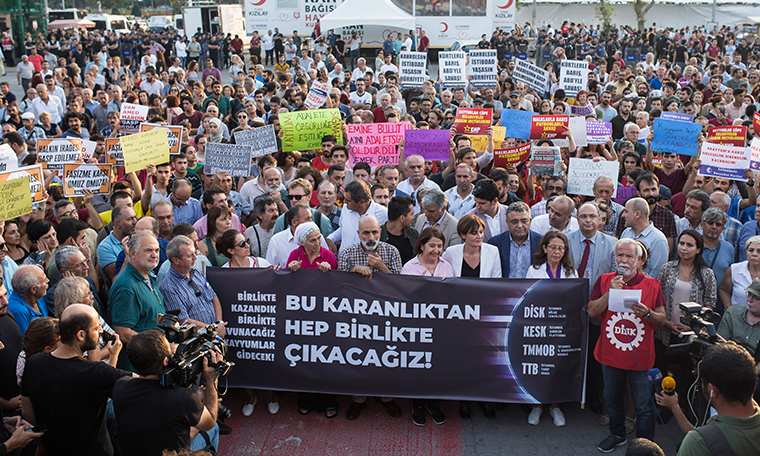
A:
<point x="756" y="124"/>
<point x="548" y="127"/>
<point x="504" y="158"/>
<point x="471" y="121"/>
<point x="375" y="144"/>
<point x="728" y="136"/>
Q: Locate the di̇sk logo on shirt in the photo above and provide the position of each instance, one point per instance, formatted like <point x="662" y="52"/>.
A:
<point x="625" y="331"/>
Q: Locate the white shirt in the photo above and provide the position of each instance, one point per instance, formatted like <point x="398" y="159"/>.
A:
<point x="348" y="234"/>
<point x="53" y="107"/>
<point x="541" y="225"/>
<point x="365" y="98"/>
<point x="540" y="273"/>
<point x="152" y="88"/>
<point x="181" y="49"/>
<point x="268" y="44"/>
<point x="459" y="206"/>
<point x="390" y="67"/>
<point x="280" y="247"/>
<point x="358" y="74"/>
<point x="494" y="225"/>
<point x="405" y="188"/>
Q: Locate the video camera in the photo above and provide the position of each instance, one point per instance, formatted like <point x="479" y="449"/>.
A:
<point x="702" y="335"/>
<point x="193" y="345"/>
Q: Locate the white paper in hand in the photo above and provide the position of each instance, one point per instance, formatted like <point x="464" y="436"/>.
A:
<point x="621" y="300"/>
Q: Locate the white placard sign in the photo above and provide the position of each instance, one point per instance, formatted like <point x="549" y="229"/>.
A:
<point x="412" y="69"/>
<point x="534" y="77"/>
<point x="483" y="68"/>
<point x="582" y="173"/>
<point x="452" y="69"/>
<point x="573" y="77"/>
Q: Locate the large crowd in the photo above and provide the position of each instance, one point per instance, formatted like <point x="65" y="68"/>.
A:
<point x="76" y="269"/>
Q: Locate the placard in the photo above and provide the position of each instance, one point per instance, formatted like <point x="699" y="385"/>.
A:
<point x="375" y="143"/>
<point x="114" y="154"/>
<point x="173" y="135"/>
<point x="8" y="158"/>
<point x="16" y="200"/>
<point x="546" y="161"/>
<point x="143" y="149"/>
<point x="681" y="117"/>
<point x="263" y="140"/>
<point x="755" y="153"/>
<point x="534" y="77"/>
<point x="92" y="176"/>
<point x="676" y="137"/>
<point x="303" y="130"/>
<point x="577" y="125"/>
<point x="88" y="149"/>
<point x="598" y="132"/>
<point x="53" y="153"/>
<point x="235" y="159"/>
<point x="504" y="158"/>
<point x="473" y="121"/>
<point x="317" y="95"/>
<point x="480" y="143"/>
<point x="756" y="123"/>
<point x="548" y="127"/>
<point x="516" y="123"/>
<point x="131" y="116"/>
<point x="452" y="69"/>
<point x="727" y="162"/>
<point x="728" y="136"/>
<point x="483" y="68"/>
<point x="582" y="173"/>
<point x="430" y="144"/>
<point x="36" y="180"/>
<point x="583" y="111"/>
<point x="573" y="77"/>
<point x="412" y="70"/>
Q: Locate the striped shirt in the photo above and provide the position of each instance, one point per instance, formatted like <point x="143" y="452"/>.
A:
<point x="193" y="297"/>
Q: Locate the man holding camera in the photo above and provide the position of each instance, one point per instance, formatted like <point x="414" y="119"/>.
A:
<point x="152" y="418"/>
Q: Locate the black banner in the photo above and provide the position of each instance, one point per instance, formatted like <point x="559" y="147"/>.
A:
<point x="405" y="336"/>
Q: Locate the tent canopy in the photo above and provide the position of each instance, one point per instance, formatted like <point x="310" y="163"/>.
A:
<point x="749" y="20"/>
<point x="362" y="12"/>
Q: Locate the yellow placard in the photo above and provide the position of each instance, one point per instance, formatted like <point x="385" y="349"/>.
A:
<point x="142" y="149"/>
<point x="36" y="180"/>
<point x="479" y="143"/>
<point x="17" y="198"/>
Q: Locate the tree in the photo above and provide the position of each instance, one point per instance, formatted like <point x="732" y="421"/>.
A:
<point x="604" y="13"/>
<point x="641" y="8"/>
<point x="136" y="10"/>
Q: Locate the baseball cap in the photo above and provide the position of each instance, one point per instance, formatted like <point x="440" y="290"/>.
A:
<point x="754" y="288"/>
<point x="28" y="115"/>
<point x="514" y="93"/>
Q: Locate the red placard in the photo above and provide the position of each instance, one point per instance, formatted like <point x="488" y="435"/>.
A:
<point x="548" y="127"/>
<point x="727" y="136"/>
<point x="471" y="121"/>
<point x="756" y="124"/>
<point x="504" y="158"/>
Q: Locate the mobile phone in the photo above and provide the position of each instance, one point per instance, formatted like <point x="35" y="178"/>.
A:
<point x="41" y="258"/>
<point x="38" y="429"/>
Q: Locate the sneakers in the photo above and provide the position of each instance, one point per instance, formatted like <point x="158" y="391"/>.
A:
<point x="557" y="416"/>
<point x="435" y="410"/>
<point x="273" y="406"/>
<point x="248" y="408"/>
<point x="535" y="416"/>
<point x="611" y="442"/>
<point x="418" y="415"/>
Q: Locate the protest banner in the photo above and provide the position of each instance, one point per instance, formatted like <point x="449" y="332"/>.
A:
<point x="142" y="149"/>
<point x="517" y="123"/>
<point x="36" y="180"/>
<point x="92" y="176"/>
<point x="598" y="132"/>
<point x="53" y="153"/>
<point x="727" y="162"/>
<point x="131" y="116"/>
<point x="577" y="125"/>
<point x="504" y="158"/>
<point x="480" y="143"/>
<point x="756" y="123"/>
<point x="728" y="136"/>
<point x="88" y="149"/>
<point x="8" y="159"/>
<point x="317" y="95"/>
<point x="573" y="77"/>
<point x="452" y="69"/>
<point x="173" y="135"/>
<point x="375" y="144"/>
<point x="675" y="137"/>
<point x="755" y="153"/>
<point x="548" y="127"/>
<point x="235" y="159"/>
<point x="582" y="173"/>
<point x="430" y="144"/>
<point x="303" y="130"/>
<point x="412" y="70"/>
<point x="482" y="339"/>
<point x="667" y="115"/>
<point x="263" y="140"/>
<point x="114" y="154"/>
<point x="583" y="111"/>
<point x="546" y="161"/>
<point x="534" y="77"/>
<point x="482" y="69"/>
<point x="473" y="121"/>
<point x="17" y="198"/>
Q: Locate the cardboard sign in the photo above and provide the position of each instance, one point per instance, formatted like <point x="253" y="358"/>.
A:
<point x="317" y="95"/>
<point x="173" y="135"/>
<point x="675" y="137"/>
<point x="77" y="177"/>
<point x="504" y="158"/>
<point x="667" y="115"/>
<point x="473" y="121"/>
<point x="36" y="180"/>
<point x="573" y="77"/>
<point x="483" y="68"/>
<point x="303" y="130"/>
<point x="8" y="159"/>
<point x="480" y="143"/>
<point x="143" y="149"/>
<point x="517" y="123"/>
<point x="534" y="77"/>
<point x="263" y="140"/>
<point x="727" y="162"/>
<point x="375" y="143"/>
<point x="430" y="144"/>
<point x="584" y="111"/>
<point x="598" y="132"/>
<point x="548" y="127"/>
<point x="452" y="69"/>
<point x="131" y="116"/>
<point x="577" y="125"/>
<point x="53" y="153"/>
<point x="16" y="200"/>
<point x="756" y="123"/>
<point x="547" y="161"/>
<point x="412" y="70"/>
<point x="582" y="173"/>
<point x="233" y="158"/>
<point x="88" y="149"/>
<point x="728" y="136"/>
<point x="754" y="146"/>
<point x="114" y="154"/>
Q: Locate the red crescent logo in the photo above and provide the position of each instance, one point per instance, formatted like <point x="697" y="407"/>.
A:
<point x="509" y="3"/>
<point x="259" y="3"/>
<point x="446" y="26"/>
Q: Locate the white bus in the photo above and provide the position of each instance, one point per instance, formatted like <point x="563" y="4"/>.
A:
<point x="67" y="14"/>
<point x="109" y="22"/>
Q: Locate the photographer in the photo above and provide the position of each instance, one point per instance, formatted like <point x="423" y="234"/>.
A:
<point x="740" y="324"/>
<point x="151" y="418"/>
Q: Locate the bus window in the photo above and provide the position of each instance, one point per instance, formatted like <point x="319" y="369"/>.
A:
<point x="118" y="25"/>
<point x="469" y="8"/>
<point x="432" y="8"/>
<point x="99" y="24"/>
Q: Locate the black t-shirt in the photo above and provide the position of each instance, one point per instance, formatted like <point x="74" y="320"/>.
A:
<point x="151" y="418"/>
<point x="10" y="336"/>
<point x="404" y="247"/>
<point x="70" y="396"/>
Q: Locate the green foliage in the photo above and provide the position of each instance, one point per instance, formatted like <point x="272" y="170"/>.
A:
<point x="641" y="8"/>
<point x="603" y="13"/>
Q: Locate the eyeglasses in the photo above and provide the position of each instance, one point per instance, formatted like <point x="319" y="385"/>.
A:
<point x="242" y="243"/>
<point x="296" y="197"/>
<point x="69" y="213"/>
<point x="242" y="117"/>
<point x="195" y="288"/>
<point x="555" y="248"/>
<point x="3" y="245"/>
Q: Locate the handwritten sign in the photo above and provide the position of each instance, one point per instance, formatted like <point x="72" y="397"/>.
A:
<point x="452" y="69"/>
<point x="88" y="149"/>
<point x="114" y="154"/>
<point x="548" y="127"/>
<point x="94" y="177"/>
<point x="303" y="130"/>
<point x="517" y="123"/>
<point x="36" y="180"/>
<point x="582" y="173"/>
<point x="142" y="149"/>
<point x="584" y="111"/>
<point x="412" y="70"/>
<point x="480" y="143"/>
<point x="667" y="115"/>
<point x="131" y="116"/>
<point x="263" y="140"/>
<point x="504" y="158"/>
<point x="598" y="132"/>
<point x="431" y="144"/>
<point x="317" y="95"/>
<point x="483" y="66"/>
<point x="53" y="153"/>
<point x="730" y="136"/>
<point x="727" y="162"/>
<point x="173" y="135"/>
<point x="534" y="77"/>
<point x="473" y="121"/>
<point x="8" y="159"/>
<point x="675" y="137"/>
<point x="573" y="76"/>
<point x="16" y="200"/>
<point x="233" y="158"/>
<point x="546" y="161"/>
<point x="375" y="144"/>
<point x="578" y="126"/>
<point x="755" y="157"/>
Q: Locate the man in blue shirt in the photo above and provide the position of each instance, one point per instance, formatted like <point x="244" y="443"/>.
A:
<point x="186" y="208"/>
<point x="29" y="287"/>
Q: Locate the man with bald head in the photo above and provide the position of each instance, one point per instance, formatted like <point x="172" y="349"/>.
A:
<point x="559" y="216"/>
<point x="27" y="300"/>
<point x="69" y="394"/>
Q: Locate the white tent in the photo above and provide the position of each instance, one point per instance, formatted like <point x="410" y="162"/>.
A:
<point x="363" y="12"/>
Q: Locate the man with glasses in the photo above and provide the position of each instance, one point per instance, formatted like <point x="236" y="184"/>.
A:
<point x="717" y="253"/>
<point x="553" y="186"/>
<point x="69" y="259"/>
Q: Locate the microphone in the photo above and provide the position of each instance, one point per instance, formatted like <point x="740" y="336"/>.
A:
<point x="668" y="385"/>
<point x="621" y="270"/>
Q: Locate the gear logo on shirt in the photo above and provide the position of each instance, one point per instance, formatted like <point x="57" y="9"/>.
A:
<point x="621" y="334"/>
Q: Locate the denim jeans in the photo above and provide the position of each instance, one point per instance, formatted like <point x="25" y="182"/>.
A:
<point x="614" y="396"/>
<point x="199" y="442"/>
<point x="355" y="54"/>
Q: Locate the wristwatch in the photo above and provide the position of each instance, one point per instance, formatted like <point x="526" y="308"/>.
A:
<point x="649" y="313"/>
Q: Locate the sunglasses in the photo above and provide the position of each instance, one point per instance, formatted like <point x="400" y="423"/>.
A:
<point x="242" y="117"/>
<point x="195" y="288"/>
<point x="242" y="243"/>
<point x="296" y="197"/>
<point x="3" y="245"/>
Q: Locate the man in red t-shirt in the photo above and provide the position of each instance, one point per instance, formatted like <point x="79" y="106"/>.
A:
<point x="323" y="162"/>
<point x="625" y="348"/>
<point x="36" y="59"/>
<point x="190" y="114"/>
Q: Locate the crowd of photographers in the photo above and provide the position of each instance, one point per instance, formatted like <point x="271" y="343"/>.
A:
<point x="83" y="277"/>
